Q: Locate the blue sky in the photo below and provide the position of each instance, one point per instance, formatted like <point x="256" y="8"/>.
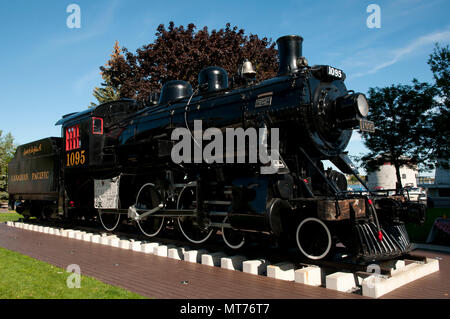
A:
<point x="48" y="70"/>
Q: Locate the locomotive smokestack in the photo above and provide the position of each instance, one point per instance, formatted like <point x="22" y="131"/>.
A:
<point x="289" y="50"/>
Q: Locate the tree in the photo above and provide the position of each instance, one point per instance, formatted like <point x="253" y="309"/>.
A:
<point x="401" y="114"/>
<point x="107" y="92"/>
<point x="439" y="63"/>
<point x="7" y="151"/>
<point x="180" y="53"/>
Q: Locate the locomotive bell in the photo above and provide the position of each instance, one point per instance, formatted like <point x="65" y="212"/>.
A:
<point x="246" y="70"/>
<point x="289" y="52"/>
<point x="175" y="90"/>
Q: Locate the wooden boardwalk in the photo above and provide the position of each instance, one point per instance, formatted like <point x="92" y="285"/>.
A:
<point x="159" y="277"/>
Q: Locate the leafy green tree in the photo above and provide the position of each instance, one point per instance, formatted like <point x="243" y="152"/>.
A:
<point x="107" y="92"/>
<point x="7" y="150"/>
<point x="401" y="114"/>
<point x="180" y="53"/>
<point x="439" y="134"/>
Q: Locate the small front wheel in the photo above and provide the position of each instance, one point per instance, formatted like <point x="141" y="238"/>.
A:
<point x="314" y="238"/>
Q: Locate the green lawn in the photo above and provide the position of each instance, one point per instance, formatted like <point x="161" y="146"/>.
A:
<point x="10" y="216"/>
<point x="419" y="234"/>
<point x="22" y="277"/>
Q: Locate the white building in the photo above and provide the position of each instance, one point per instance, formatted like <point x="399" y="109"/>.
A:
<point x="439" y="192"/>
<point x="386" y="178"/>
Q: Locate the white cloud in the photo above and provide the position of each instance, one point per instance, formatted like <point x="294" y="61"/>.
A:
<point x="400" y="53"/>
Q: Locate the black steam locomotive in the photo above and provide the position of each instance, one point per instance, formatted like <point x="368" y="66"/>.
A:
<point x="116" y="162"/>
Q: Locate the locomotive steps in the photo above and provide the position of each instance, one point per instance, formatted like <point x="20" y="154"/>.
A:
<point x="370" y="283"/>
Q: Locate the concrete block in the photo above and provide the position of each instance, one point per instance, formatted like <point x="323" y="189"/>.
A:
<point x="124" y="244"/>
<point x="105" y="240"/>
<point x="114" y="242"/>
<point x="40" y="229"/>
<point x="177" y="253"/>
<point x="72" y="233"/>
<point x="232" y="262"/>
<point x="255" y="267"/>
<point x="162" y="250"/>
<point x="395" y="265"/>
<point x="57" y="232"/>
<point x="283" y="271"/>
<point x="376" y="286"/>
<point x="310" y="275"/>
<point x="8" y="223"/>
<point x="213" y="259"/>
<point x="194" y="256"/>
<point x="148" y="248"/>
<point x="95" y="239"/>
<point x="79" y="235"/>
<point x="46" y="230"/>
<point x="136" y="246"/>
<point x="66" y="232"/>
<point x="51" y="231"/>
<point x="340" y="281"/>
<point x="87" y="237"/>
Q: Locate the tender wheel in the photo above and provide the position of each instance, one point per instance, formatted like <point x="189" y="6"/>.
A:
<point x="148" y="198"/>
<point x="314" y="238"/>
<point x="234" y="239"/>
<point x="188" y="224"/>
<point x="109" y="220"/>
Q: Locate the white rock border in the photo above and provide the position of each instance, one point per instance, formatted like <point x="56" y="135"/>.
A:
<point x="373" y="286"/>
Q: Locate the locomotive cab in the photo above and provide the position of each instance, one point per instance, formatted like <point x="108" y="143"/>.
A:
<point x="89" y="135"/>
<point x="87" y="152"/>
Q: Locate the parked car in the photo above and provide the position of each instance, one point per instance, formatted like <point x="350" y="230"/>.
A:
<point x="417" y="194"/>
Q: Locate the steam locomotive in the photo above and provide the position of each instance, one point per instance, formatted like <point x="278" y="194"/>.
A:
<point x="116" y="162"/>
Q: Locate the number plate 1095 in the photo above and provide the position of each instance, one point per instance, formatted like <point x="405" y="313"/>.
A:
<point x="76" y="158"/>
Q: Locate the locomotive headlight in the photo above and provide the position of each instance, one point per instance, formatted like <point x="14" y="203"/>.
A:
<point x="351" y="110"/>
<point x="352" y="106"/>
<point x="361" y="105"/>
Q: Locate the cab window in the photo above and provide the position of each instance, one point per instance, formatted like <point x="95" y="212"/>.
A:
<point x="73" y="140"/>
<point x="97" y="125"/>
